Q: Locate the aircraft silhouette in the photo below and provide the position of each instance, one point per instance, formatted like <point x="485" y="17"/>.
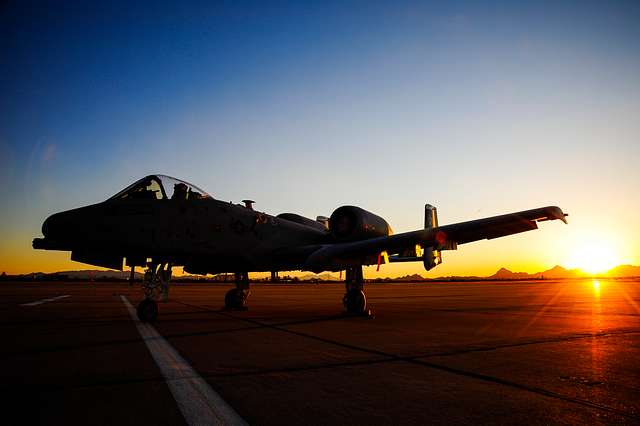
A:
<point x="148" y="227"/>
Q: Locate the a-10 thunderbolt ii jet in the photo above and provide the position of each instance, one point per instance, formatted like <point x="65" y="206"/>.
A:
<point x="160" y="222"/>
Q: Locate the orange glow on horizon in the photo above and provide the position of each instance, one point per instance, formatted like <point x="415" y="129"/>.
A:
<point x="593" y="253"/>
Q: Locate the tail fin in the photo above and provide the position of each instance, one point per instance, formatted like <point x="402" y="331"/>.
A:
<point x="431" y="257"/>
<point x="430" y="216"/>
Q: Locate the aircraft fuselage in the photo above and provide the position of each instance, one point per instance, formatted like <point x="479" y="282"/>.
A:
<point x="206" y="236"/>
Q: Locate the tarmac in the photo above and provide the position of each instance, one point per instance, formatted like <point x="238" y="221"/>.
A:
<point x="525" y="352"/>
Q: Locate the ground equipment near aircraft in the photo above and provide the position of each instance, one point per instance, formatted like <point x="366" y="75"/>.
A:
<point x="160" y="222"/>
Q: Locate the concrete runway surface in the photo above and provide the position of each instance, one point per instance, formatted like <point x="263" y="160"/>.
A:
<point x="552" y="352"/>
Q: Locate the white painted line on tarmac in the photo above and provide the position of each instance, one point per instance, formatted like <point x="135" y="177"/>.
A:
<point x="40" y="302"/>
<point x="199" y="404"/>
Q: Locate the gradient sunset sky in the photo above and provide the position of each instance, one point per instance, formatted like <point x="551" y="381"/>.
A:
<point x="477" y="108"/>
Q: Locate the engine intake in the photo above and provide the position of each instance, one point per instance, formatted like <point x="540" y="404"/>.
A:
<point x="351" y="223"/>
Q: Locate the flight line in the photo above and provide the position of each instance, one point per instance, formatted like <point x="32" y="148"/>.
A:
<point x="199" y="404"/>
<point x="47" y="300"/>
<point x="530" y="352"/>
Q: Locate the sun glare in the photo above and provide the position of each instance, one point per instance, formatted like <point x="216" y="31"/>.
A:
<point x="596" y="288"/>
<point x="593" y="258"/>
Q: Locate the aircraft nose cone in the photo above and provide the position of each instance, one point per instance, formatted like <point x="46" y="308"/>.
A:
<point x="53" y="226"/>
<point x="46" y="227"/>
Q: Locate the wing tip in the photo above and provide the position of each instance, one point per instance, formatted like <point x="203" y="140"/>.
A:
<point x="557" y="213"/>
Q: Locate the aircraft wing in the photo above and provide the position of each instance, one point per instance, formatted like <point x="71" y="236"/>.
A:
<point x="499" y="226"/>
<point x="439" y="238"/>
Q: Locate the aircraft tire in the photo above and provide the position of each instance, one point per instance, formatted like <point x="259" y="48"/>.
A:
<point x="234" y="299"/>
<point x="147" y="310"/>
<point x="356" y="302"/>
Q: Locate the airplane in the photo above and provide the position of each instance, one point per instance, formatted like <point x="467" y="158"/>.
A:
<point x="149" y="226"/>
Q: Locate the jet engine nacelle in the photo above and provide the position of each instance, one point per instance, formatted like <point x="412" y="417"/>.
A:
<point x="350" y="223"/>
<point x="432" y="256"/>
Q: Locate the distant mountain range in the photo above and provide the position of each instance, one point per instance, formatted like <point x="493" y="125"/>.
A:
<point x="557" y="272"/>
<point x="327" y="276"/>
<point x="624" y="271"/>
<point x="79" y="275"/>
<point x="553" y="273"/>
<point x="89" y="274"/>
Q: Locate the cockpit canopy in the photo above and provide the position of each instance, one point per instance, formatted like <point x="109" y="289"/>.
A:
<point x="161" y="187"/>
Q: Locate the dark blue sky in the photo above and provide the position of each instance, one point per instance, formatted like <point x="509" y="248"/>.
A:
<point x="476" y="107"/>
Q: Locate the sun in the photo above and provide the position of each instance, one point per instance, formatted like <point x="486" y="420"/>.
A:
<point x="594" y="258"/>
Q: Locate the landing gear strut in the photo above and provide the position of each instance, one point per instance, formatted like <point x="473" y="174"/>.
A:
<point x="155" y="285"/>
<point x="236" y="298"/>
<point x="354" y="300"/>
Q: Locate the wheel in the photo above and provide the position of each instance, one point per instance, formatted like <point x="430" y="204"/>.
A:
<point x="355" y="302"/>
<point x="147" y="310"/>
<point x="235" y="299"/>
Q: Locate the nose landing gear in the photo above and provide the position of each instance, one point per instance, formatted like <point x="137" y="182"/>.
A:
<point x="147" y="310"/>
<point x="155" y="285"/>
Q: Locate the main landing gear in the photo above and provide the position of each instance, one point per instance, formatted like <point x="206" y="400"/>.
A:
<point x="354" y="300"/>
<point x="155" y="285"/>
<point x="236" y="298"/>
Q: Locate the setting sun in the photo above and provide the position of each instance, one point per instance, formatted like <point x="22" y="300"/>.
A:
<point x="593" y="258"/>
